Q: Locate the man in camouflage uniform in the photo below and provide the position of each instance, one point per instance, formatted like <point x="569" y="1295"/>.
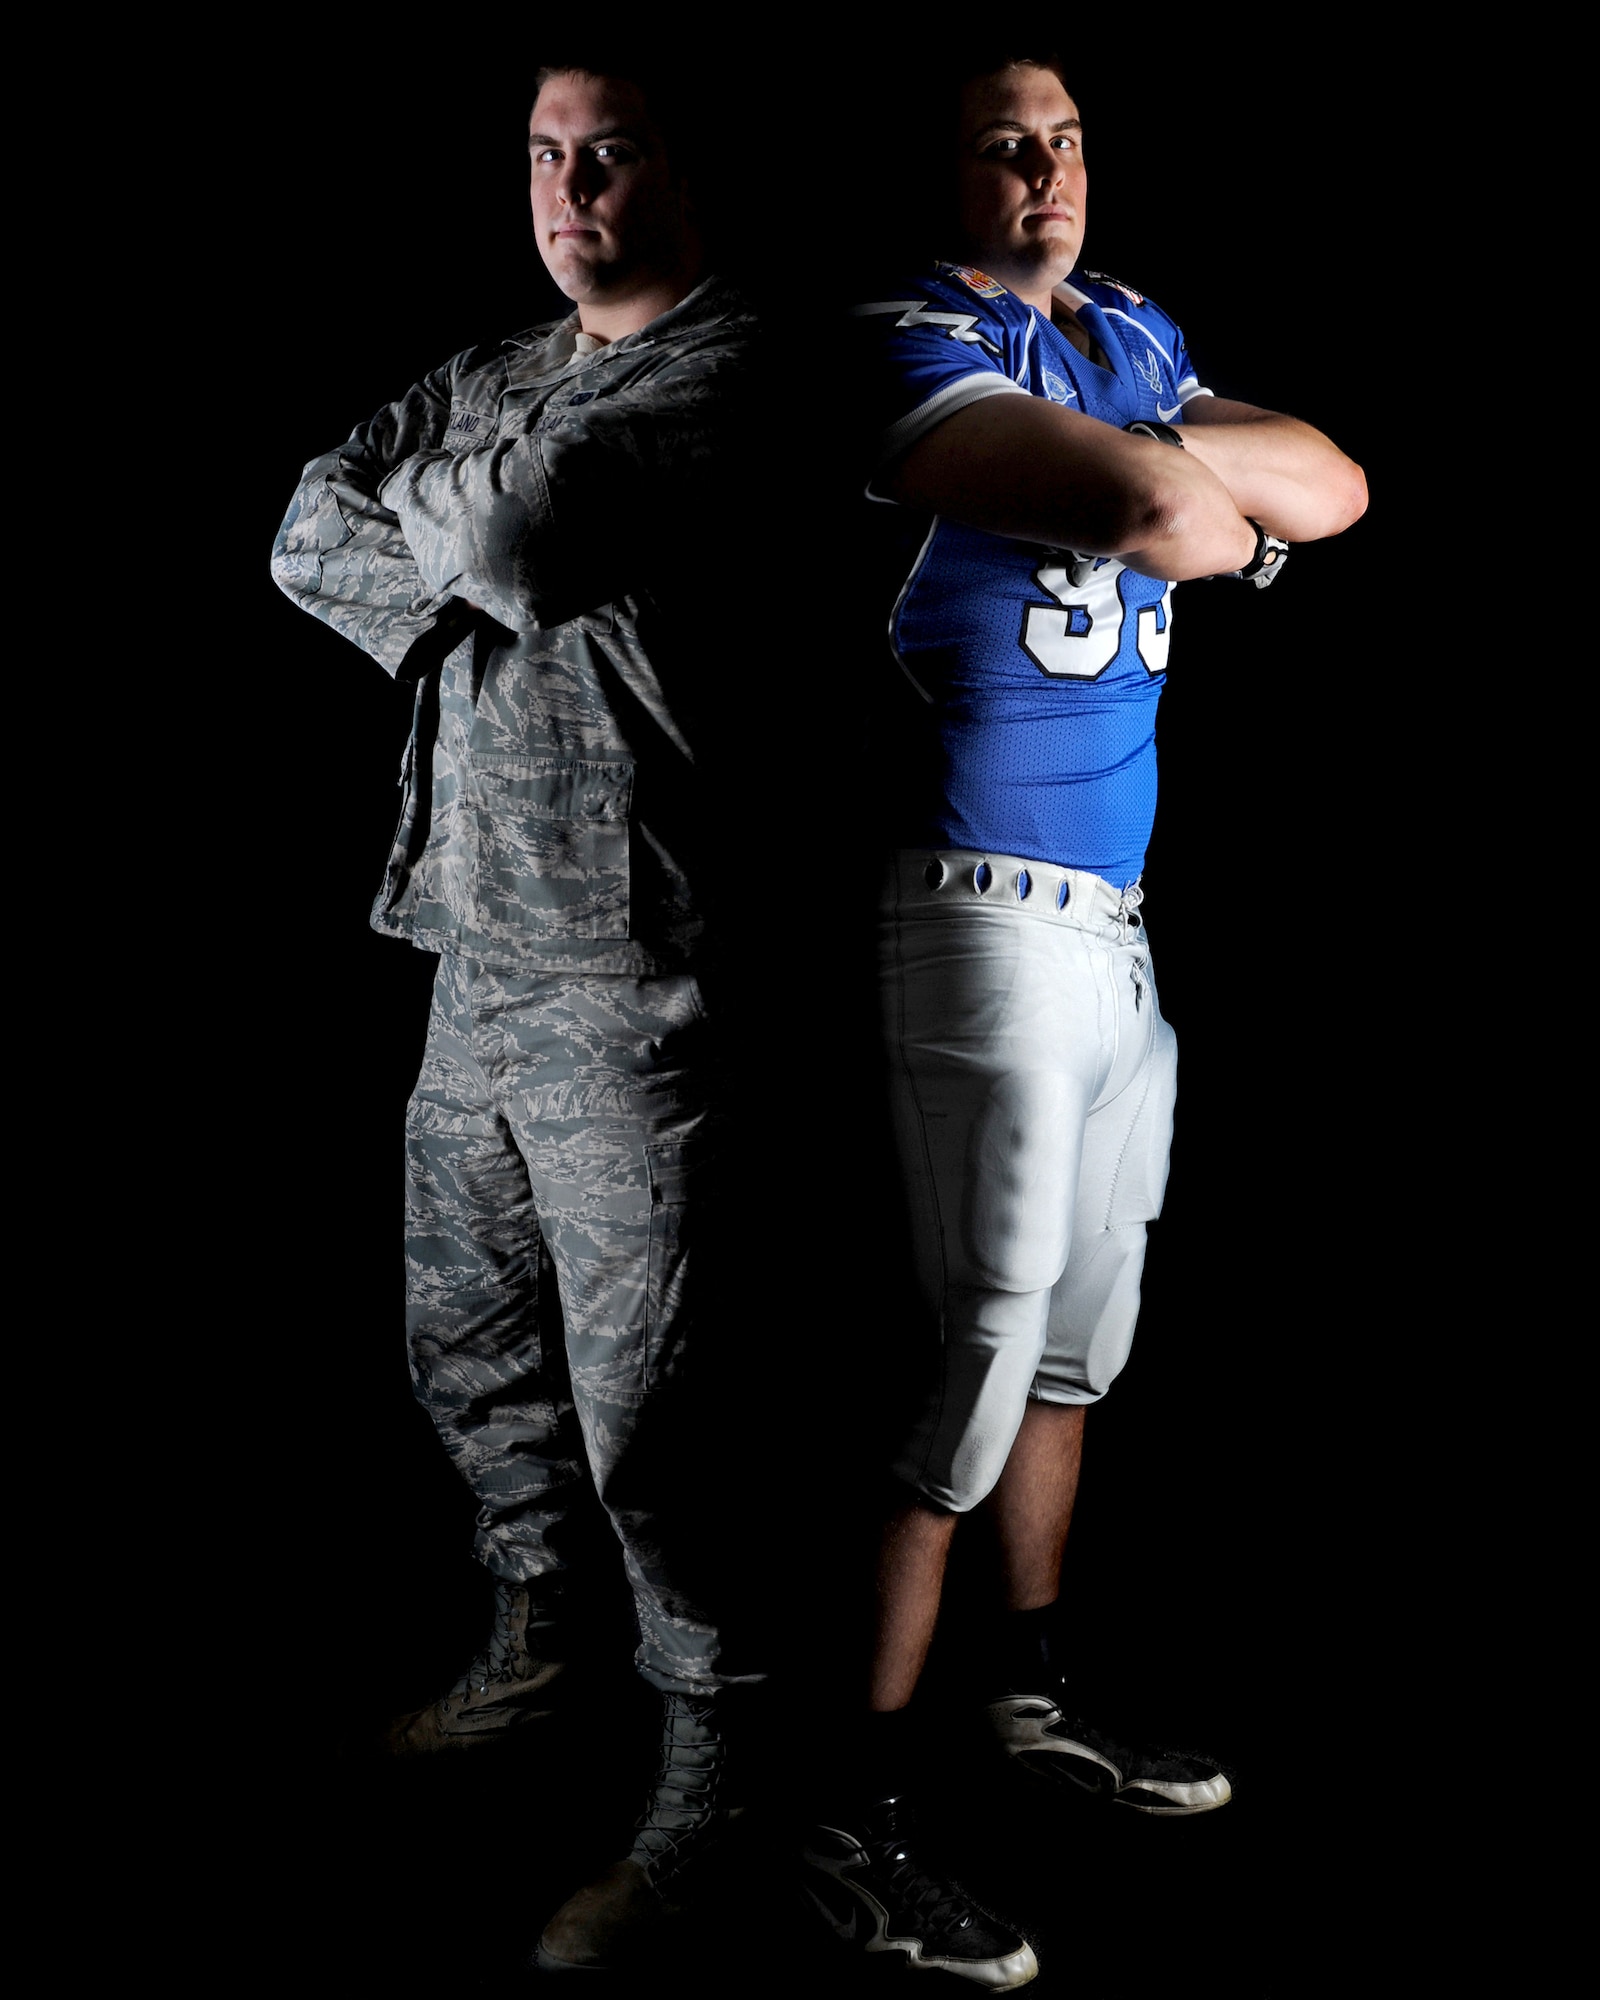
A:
<point x="524" y="535"/>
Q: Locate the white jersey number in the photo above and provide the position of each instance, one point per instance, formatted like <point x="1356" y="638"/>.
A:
<point x="1078" y="636"/>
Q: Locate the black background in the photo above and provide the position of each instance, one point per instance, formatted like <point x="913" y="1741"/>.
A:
<point x="1242" y="1567"/>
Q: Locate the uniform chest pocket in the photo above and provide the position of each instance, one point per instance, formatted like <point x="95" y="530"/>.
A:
<point x="551" y="846"/>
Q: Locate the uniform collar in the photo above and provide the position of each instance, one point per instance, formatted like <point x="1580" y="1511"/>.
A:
<point x="551" y="346"/>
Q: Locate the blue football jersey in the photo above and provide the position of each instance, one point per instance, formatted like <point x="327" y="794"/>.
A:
<point x="1042" y="668"/>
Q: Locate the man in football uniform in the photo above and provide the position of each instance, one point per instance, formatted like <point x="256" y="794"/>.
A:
<point x="1048" y="464"/>
<point x="523" y="535"/>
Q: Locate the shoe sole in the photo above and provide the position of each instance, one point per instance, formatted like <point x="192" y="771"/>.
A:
<point x="1061" y="1762"/>
<point x="1207" y="1795"/>
<point x="1172" y="1806"/>
<point x="548" y="1962"/>
<point x="993" y="1975"/>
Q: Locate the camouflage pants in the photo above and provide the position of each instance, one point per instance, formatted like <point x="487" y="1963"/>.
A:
<point x="573" y="1113"/>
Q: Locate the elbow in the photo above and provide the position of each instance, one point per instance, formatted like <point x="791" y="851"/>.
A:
<point x="1155" y="516"/>
<point x="1173" y="532"/>
<point x="1353" y="498"/>
<point x="1341" y="502"/>
<point x="297" y="573"/>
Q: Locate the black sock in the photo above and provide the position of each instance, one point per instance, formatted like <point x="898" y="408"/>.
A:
<point x="889" y="1746"/>
<point x="1025" y="1655"/>
<point x="873" y="1756"/>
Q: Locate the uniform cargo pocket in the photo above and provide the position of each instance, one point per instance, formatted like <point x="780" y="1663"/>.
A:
<point x="552" y="845"/>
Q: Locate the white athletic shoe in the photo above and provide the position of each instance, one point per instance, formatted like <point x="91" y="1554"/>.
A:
<point x="1052" y="1743"/>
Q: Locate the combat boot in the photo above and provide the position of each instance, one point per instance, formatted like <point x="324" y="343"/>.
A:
<point x="614" y="1921"/>
<point x="512" y="1686"/>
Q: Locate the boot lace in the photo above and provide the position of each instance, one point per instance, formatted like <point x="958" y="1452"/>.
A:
<point x="498" y="1659"/>
<point x="681" y="1814"/>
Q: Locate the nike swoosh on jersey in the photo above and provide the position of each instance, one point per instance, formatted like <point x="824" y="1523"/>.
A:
<point x="1166" y="416"/>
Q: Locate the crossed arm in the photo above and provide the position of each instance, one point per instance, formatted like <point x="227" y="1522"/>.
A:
<point x="342" y="556"/>
<point x="554" y="521"/>
<point x="1026" y="468"/>
<point x="399" y="542"/>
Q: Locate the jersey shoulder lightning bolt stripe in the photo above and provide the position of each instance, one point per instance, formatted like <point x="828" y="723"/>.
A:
<point x="952" y="335"/>
<point x="1041" y="669"/>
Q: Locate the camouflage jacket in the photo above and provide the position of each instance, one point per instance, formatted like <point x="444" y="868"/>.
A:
<point x="545" y="541"/>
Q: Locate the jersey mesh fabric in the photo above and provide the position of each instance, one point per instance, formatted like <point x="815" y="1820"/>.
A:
<point x="1043" y="673"/>
<point x="1011" y="777"/>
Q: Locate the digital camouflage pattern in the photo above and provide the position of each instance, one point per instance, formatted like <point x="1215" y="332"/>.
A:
<point x="552" y="530"/>
<point x="572" y="1110"/>
<point x="540" y="537"/>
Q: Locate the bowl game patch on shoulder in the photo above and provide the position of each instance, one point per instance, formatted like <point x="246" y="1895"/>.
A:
<point x="976" y="281"/>
<point x="1105" y="278"/>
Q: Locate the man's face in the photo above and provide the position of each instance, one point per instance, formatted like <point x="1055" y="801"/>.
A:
<point x="610" y="219"/>
<point x="1021" y="179"/>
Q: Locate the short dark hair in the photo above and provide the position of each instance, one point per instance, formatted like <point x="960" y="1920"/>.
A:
<point x="930" y="90"/>
<point x="988" y="59"/>
<point x="662" y="80"/>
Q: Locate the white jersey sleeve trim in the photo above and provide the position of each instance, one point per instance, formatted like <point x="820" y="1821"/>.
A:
<point x="914" y="426"/>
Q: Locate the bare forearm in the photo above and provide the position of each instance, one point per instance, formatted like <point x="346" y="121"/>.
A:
<point x="1020" y="467"/>
<point x="1284" y="473"/>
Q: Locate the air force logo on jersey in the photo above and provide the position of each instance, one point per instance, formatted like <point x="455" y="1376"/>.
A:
<point x="1150" y="369"/>
<point x="1055" y="388"/>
